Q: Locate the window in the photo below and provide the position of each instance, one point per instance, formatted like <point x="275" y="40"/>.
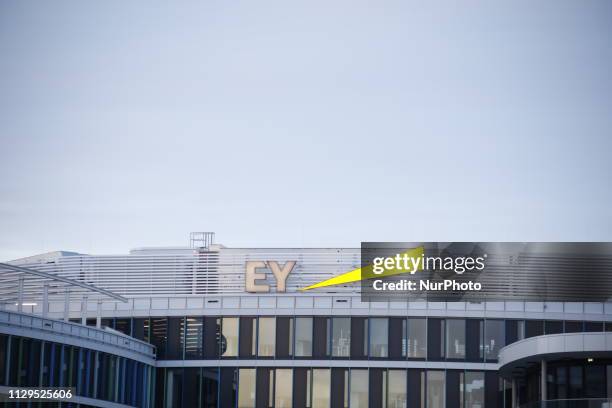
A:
<point x="266" y="337"/>
<point x="359" y="388"/>
<point x="193" y="338"/>
<point x="229" y="337"/>
<point x="417" y="338"/>
<point x="174" y="387"/>
<point x="495" y="337"/>
<point x="472" y="389"/>
<point x="534" y="328"/>
<point x="246" y="388"/>
<point x="320" y="387"/>
<point x="575" y="382"/>
<point x="455" y="338"/>
<point x="284" y="388"/>
<point x="609" y="380"/>
<point x="379" y="331"/>
<point x="341" y="337"/>
<point x="435" y="389"/>
<point x="553" y="327"/>
<point x="159" y="335"/>
<point x="396" y="394"/>
<point x="303" y="336"/>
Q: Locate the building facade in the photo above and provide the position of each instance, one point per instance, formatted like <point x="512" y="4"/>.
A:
<point x="219" y="345"/>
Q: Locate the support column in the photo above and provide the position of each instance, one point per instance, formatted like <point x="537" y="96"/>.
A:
<point x="543" y="382"/>
<point x="99" y="315"/>
<point x="514" y="394"/>
<point x="84" y="311"/>
<point x="45" y="305"/>
<point x="66" y="304"/>
<point x="20" y="296"/>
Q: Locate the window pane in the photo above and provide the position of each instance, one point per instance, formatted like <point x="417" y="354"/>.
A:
<point x="379" y="331"/>
<point x="246" y="388"/>
<point x="174" y="387"/>
<point x="359" y="388"/>
<point x="303" y="336"/>
<point x="609" y="380"/>
<point x="229" y="336"/>
<point x="341" y="337"/>
<point x="320" y="388"/>
<point x="194" y="337"/>
<point x="417" y="342"/>
<point x="473" y="389"/>
<point x="455" y="338"/>
<point x="397" y="389"/>
<point x="267" y="336"/>
<point x="435" y="389"/>
<point x="284" y="388"/>
<point x="495" y="337"/>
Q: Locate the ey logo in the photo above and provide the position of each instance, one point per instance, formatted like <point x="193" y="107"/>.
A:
<point x="280" y="273"/>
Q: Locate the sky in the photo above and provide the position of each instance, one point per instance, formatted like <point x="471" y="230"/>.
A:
<point x="303" y="123"/>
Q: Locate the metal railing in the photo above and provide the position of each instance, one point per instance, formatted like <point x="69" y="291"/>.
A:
<point x="79" y="331"/>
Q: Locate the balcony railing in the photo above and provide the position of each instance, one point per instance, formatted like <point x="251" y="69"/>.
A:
<point x="75" y="330"/>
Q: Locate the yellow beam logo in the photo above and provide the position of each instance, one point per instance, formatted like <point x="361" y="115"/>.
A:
<point x="367" y="272"/>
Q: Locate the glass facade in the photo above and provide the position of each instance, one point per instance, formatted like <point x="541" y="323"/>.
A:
<point x="93" y="374"/>
<point x="338" y="337"/>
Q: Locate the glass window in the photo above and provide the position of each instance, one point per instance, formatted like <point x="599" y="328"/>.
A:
<point x="229" y="336"/>
<point x="455" y="338"/>
<point x="435" y="389"/>
<point x="609" y="381"/>
<point x="359" y="388"/>
<point x="124" y="326"/>
<point x="267" y="337"/>
<point x="159" y="335"/>
<point x="397" y="389"/>
<point x="341" y="337"/>
<point x="303" y="336"/>
<point x="573" y="327"/>
<point x="284" y="388"/>
<point x="246" y="388"/>
<point x="193" y="337"/>
<point x="594" y="381"/>
<point x="472" y="389"/>
<point x="379" y="333"/>
<point x="174" y="387"/>
<point x="210" y="385"/>
<point x="417" y="341"/>
<point x="320" y="387"/>
<point x="3" y="359"/>
<point x="575" y="382"/>
<point x="495" y="338"/>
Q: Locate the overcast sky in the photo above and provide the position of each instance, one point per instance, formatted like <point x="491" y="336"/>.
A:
<point x="303" y="123"/>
